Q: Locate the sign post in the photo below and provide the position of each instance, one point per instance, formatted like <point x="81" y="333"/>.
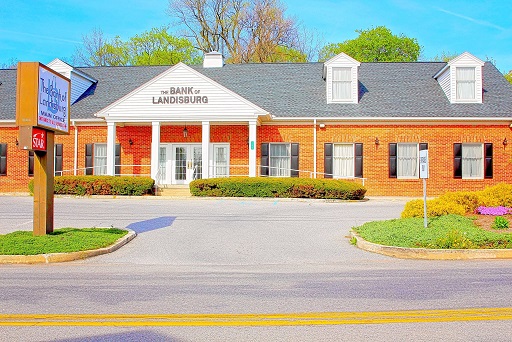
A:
<point x="424" y="176"/>
<point x="42" y="110"/>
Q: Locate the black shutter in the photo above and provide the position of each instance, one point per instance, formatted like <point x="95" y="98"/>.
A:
<point x="423" y="146"/>
<point x="295" y="160"/>
<point x="328" y="149"/>
<point x="118" y="160"/>
<point x="488" y="160"/>
<point x="88" y="159"/>
<point x="392" y="160"/>
<point x="358" y="171"/>
<point x="30" y="163"/>
<point x="264" y="159"/>
<point x="3" y="159"/>
<point x="58" y="159"/>
<point x="457" y="160"/>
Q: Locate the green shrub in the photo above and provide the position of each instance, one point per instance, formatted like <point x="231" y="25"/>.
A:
<point x="277" y="187"/>
<point x="500" y="223"/>
<point x="100" y="185"/>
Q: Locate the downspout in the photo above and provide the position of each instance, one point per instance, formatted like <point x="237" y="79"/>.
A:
<point x="75" y="162"/>
<point x="314" y="147"/>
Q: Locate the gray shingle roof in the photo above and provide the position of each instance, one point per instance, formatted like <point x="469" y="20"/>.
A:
<point x="298" y="90"/>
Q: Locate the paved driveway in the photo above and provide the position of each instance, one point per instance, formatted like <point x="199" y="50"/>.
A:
<point x="208" y="232"/>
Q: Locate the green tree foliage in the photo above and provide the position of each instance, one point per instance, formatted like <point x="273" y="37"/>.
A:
<point x="445" y="56"/>
<point x="508" y="76"/>
<point x="154" y="47"/>
<point x="378" y="44"/>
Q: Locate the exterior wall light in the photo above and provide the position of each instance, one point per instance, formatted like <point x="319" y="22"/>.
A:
<point x="505" y="142"/>
<point x="185" y="132"/>
<point x="130" y="142"/>
<point x="377" y="142"/>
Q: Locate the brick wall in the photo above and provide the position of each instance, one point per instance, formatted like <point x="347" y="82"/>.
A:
<point x="136" y="157"/>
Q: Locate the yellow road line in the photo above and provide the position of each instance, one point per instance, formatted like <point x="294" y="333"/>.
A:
<point x="284" y="319"/>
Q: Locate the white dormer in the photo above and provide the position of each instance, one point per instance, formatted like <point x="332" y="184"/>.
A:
<point x="80" y="81"/>
<point x="461" y="79"/>
<point x="341" y="78"/>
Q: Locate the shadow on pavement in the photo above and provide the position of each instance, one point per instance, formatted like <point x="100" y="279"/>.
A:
<point x="153" y="224"/>
<point x="124" y="337"/>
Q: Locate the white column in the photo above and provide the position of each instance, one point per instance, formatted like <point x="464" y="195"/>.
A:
<point x="252" y="149"/>
<point x="314" y="148"/>
<point x="155" y="150"/>
<point x="206" y="149"/>
<point x="111" y="148"/>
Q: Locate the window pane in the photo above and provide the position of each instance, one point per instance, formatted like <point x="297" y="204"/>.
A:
<point x="465" y="83"/>
<point x="407" y="160"/>
<point x="162" y="170"/>
<point x="280" y="160"/>
<point x="221" y="161"/>
<point x="472" y="161"/>
<point x="343" y="160"/>
<point x="341" y="83"/>
<point x="100" y="159"/>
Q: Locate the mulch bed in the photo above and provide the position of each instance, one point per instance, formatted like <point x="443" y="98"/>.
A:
<point x="486" y="221"/>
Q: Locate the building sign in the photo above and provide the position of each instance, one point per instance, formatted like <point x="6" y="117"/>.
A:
<point x="53" y="104"/>
<point x="180" y="95"/>
<point x="424" y="164"/>
<point x="42" y="98"/>
<point x="32" y="138"/>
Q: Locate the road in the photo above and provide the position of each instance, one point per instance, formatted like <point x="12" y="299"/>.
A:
<point x="278" y="259"/>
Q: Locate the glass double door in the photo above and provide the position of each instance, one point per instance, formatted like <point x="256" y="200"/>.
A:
<point x="180" y="163"/>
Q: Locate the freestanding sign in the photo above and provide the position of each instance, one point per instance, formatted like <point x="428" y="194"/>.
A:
<point x="424" y="176"/>
<point x="42" y="110"/>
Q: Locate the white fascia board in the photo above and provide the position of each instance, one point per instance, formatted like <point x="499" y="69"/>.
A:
<point x="343" y="56"/>
<point x="396" y="119"/>
<point x="186" y="119"/>
<point x="104" y="112"/>
<point x="84" y="75"/>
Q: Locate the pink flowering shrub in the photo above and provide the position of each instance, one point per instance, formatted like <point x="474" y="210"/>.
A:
<point x="494" y="211"/>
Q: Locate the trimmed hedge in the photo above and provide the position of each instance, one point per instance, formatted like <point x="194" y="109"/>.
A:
<point x="461" y="202"/>
<point x="277" y="187"/>
<point x="100" y="185"/>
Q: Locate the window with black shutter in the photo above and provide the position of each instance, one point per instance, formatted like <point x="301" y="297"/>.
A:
<point x="30" y="163"/>
<point x="343" y="160"/>
<point x="3" y="159"/>
<point x="58" y="159"/>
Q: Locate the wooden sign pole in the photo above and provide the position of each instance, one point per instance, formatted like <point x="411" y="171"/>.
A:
<point x="43" y="187"/>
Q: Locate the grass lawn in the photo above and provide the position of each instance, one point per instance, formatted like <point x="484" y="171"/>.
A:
<point x="444" y="232"/>
<point x="61" y="240"/>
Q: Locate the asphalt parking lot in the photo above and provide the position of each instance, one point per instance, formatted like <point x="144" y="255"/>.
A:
<point x="207" y="232"/>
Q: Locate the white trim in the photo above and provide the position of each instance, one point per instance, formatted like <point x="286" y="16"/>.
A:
<point x="205" y="146"/>
<point x="103" y="113"/>
<point x="155" y="151"/>
<point x="459" y="120"/>
<point x="253" y="141"/>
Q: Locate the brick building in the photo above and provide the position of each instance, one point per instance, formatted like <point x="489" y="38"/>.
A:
<point x="339" y="119"/>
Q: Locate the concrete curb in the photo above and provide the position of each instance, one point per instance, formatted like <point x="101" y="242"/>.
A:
<point x="431" y="254"/>
<point x="63" y="257"/>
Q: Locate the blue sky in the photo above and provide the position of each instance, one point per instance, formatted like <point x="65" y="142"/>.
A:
<point x="40" y="30"/>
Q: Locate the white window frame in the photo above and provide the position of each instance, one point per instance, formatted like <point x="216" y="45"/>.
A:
<point x="336" y="159"/>
<point x="481" y="157"/>
<point x="459" y="82"/>
<point x="280" y="171"/>
<point x="341" y="83"/>
<point x="403" y="159"/>
<point x="99" y="170"/>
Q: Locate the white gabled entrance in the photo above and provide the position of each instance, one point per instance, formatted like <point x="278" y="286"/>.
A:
<point x="180" y="163"/>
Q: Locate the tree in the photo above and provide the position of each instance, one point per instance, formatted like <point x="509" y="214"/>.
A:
<point x="375" y="45"/>
<point x="157" y="47"/>
<point x="244" y="31"/>
<point x="445" y="56"/>
<point x="10" y="64"/>
<point x="508" y="76"/>
<point x="154" y="47"/>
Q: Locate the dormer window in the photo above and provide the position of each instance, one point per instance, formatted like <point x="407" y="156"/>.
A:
<point x="341" y="79"/>
<point x="461" y="79"/>
<point x="341" y="84"/>
<point x="465" y="83"/>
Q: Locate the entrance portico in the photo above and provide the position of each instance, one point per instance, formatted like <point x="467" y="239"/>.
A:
<point x="171" y="99"/>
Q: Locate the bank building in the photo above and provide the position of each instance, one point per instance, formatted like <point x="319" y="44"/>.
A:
<point x="364" y="122"/>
